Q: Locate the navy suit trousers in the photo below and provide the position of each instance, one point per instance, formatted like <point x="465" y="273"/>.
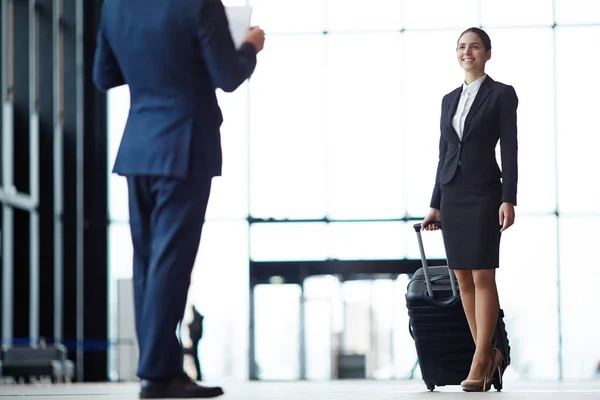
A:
<point x="166" y="218"/>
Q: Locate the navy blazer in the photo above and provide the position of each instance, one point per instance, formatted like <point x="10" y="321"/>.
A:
<point x="173" y="55"/>
<point x="492" y="117"/>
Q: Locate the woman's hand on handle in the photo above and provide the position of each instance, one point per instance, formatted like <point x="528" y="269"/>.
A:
<point x="432" y="216"/>
<point x="507" y="216"/>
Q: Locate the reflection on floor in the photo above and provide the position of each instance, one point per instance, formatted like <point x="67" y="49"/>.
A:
<point x="335" y="390"/>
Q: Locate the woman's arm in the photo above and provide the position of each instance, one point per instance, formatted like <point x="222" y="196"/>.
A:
<point x="436" y="197"/>
<point x="508" y="144"/>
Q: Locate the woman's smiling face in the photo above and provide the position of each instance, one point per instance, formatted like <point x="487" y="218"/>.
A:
<point x="471" y="52"/>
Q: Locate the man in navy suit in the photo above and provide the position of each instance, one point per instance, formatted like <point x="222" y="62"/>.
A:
<point x="173" y="55"/>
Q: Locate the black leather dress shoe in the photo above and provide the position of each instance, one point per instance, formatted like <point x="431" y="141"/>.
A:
<point x="177" y="388"/>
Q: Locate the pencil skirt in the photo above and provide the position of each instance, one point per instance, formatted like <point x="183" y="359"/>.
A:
<point x="470" y="223"/>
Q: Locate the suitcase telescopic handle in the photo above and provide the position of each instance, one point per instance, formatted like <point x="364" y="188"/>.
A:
<point x="417" y="228"/>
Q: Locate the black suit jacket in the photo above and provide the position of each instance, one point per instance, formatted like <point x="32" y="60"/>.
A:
<point x="492" y="117"/>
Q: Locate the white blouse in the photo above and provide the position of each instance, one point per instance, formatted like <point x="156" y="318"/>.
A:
<point x="464" y="105"/>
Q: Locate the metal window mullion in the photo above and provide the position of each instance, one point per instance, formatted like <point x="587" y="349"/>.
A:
<point x="8" y="14"/>
<point x="302" y="333"/>
<point x="34" y="178"/>
<point x="79" y="58"/>
<point x="10" y="197"/>
<point x="58" y="93"/>
<point x="7" y="170"/>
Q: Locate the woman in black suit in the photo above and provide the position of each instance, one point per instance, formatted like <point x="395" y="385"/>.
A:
<point x="472" y="198"/>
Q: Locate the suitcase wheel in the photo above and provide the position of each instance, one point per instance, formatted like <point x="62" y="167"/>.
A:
<point x="430" y="386"/>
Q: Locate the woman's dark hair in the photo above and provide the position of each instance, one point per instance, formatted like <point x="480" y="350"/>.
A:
<point x="485" y="39"/>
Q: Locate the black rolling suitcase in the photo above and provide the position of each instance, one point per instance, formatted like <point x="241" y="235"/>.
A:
<point x="439" y="326"/>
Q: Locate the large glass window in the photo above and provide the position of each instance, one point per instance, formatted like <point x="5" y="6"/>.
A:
<point x="277" y="327"/>
<point x="425" y="81"/>
<point x="287" y="148"/>
<point x="502" y="13"/>
<point x="363" y="141"/>
<point x="440" y="14"/>
<point x="577" y="12"/>
<point x="219" y="290"/>
<point x="288" y="16"/>
<point x="577" y="135"/>
<point x="528" y="294"/>
<point x="330" y="152"/>
<point x="118" y="110"/>
<point x="336" y="240"/>
<point x="537" y="189"/>
<point x="229" y="193"/>
<point x="287" y="242"/>
<point x="580" y="296"/>
<point x="356" y="16"/>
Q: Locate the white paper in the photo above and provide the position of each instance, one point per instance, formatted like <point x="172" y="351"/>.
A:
<point x="239" y="21"/>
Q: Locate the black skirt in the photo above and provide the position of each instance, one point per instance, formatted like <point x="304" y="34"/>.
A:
<point x="470" y="223"/>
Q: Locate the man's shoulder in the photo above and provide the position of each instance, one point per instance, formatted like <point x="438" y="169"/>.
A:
<point x="143" y="7"/>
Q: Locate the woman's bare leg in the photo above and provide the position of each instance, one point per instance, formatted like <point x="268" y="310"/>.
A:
<point x="486" y="317"/>
<point x="467" y="295"/>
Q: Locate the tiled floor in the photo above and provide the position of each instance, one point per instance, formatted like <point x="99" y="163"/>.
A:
<point x="336" y="390"/>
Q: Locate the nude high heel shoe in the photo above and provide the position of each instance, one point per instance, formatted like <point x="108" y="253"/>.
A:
<point x="498" y="370"/>
<point x="485" y="383"/>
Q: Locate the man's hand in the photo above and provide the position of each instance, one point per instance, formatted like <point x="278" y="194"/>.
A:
<point x="507" y="215"/>
<point x="256" y="37"/>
